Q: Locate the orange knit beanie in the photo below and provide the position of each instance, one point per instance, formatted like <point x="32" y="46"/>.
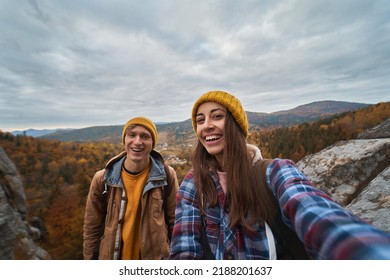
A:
<point x="227" y="100"/>
<point x="145" y="122"/>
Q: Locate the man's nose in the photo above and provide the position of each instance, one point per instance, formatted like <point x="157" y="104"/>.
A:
<point x="138" y="139"/>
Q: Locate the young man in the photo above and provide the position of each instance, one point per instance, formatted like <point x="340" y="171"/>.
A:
<point x="125" y="216"/>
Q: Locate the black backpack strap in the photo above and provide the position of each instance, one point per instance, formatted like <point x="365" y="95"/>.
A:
<point x="167" y="192"/>
<point x="208" y="255"/>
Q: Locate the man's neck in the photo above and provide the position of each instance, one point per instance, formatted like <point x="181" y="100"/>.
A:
<point x="135" y="166"/>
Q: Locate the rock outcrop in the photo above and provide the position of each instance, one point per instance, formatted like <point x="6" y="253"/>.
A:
<point x="356" y="174"/>
<point x="17" y="235"/>
<point x="373" y="203"/>
<point x="380" y="131"/>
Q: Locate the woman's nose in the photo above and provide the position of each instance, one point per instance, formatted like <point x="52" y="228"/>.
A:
<point x="208" y="123"/>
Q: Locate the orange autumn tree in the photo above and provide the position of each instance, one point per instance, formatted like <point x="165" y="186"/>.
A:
<point x="64" y="220"/>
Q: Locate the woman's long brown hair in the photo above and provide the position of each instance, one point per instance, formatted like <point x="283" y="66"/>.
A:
<point x="248" y="202"/>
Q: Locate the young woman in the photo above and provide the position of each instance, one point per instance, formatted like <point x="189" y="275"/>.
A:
<point x="239" y="201"/>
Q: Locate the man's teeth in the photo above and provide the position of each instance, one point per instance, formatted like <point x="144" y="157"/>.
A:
<point x="213" y="137"/>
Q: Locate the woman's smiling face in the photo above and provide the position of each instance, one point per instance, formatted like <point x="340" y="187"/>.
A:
<point x="210" y="122"/>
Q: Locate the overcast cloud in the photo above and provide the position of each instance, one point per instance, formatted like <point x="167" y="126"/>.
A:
<point x="78" y="63"/>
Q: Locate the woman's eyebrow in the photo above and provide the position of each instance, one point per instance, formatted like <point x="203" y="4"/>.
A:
<point x="217" y="109"/>
<point x="212" y="111"/>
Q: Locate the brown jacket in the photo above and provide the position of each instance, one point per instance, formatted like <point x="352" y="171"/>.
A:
<point x="105" y="208"/>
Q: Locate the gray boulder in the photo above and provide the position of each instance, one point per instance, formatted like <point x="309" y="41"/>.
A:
<point x="355" y="174"/>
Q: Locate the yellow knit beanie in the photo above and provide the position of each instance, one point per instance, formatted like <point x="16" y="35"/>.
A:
<point x="145" y="122"/>
<point x="227" y="100"/>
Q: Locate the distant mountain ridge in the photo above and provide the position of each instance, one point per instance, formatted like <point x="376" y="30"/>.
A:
<point x="304" y="113"/>
<point x="38" y="132"/>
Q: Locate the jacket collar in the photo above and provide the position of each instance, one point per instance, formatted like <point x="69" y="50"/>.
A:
<point x="157" y="176"/>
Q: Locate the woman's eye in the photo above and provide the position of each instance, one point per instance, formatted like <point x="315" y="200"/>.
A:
<point x="199" y="120"/>
<point x="218" y="116"/>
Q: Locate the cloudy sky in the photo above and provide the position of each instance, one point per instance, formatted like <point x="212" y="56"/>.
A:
<point x="79" y="63"/>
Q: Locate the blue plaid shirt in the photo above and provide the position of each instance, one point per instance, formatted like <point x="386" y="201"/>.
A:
<point x="327" y="230"/>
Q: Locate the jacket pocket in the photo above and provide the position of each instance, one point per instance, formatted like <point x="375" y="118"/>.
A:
<point x="157" y="201"/>
<point x="111" y="219"/>
<point x="106" y="246"/>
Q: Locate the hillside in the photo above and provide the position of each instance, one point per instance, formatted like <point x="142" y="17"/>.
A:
<point x="305" y="113"/>
<point x="181" y="132"/>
